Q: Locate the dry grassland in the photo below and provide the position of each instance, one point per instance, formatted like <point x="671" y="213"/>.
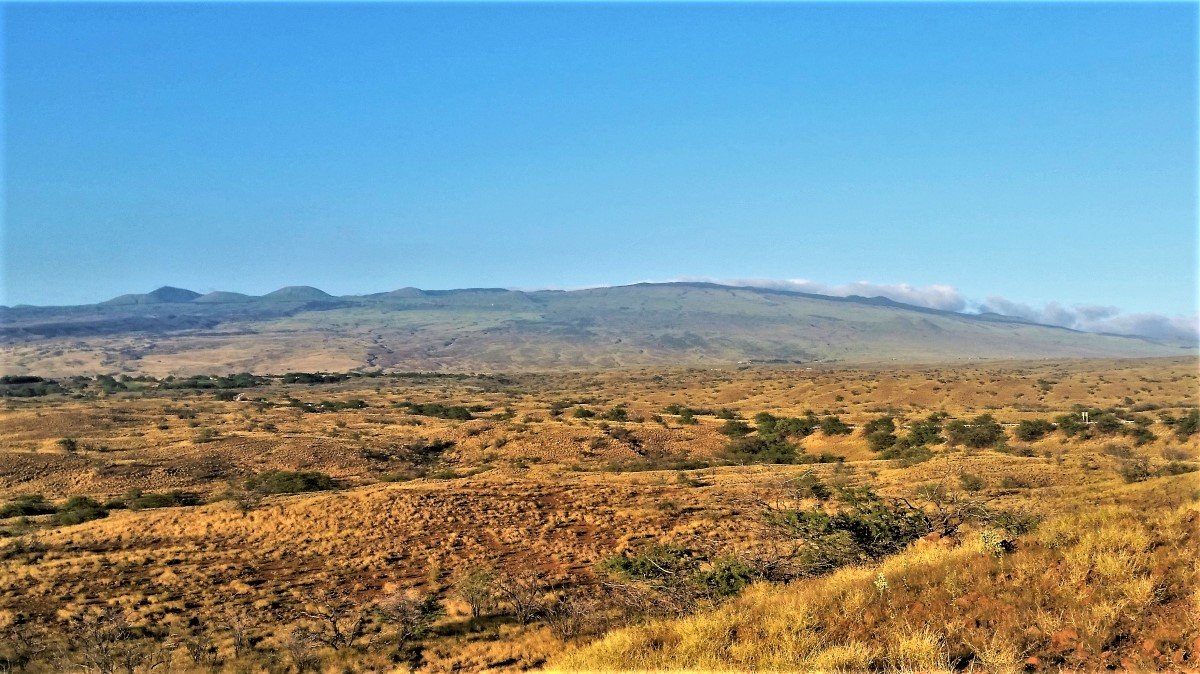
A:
<point x="540" y="496"/>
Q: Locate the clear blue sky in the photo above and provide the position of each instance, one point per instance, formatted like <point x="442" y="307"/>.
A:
<point x="1040" y="152"/>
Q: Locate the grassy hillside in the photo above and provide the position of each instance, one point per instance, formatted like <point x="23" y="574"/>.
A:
<point x="216" y="524"/>
<point x="303" y="328"/>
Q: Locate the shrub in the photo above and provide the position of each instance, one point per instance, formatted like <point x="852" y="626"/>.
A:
<point x="1187" y="425"/>
<point x="68" y="444"/>
<point x="438" y="410"/>
<point x="971" y="482"/>
<point x="289" y="482"/>
<point x="79" y="509"/>
<point x="908" y="456"/>
<point x="26" y="505"/>
<point x="653" y="562"/>
<point x="583" y="413"/>
<point x="1178" y="468"/>
<point x="735" y="428"/>
<point x="926" y="432"/>
<point x="1029" y="430"/>
<point x="867" y="527"/>
<point x="880" y="433"/>
<point x="478" y="589"/>
<point x="1071" y="425"/>
<point x="617" y="413"/>
<point x="983" y="431"/>
<point x="206" y="435"/>
<point x="725" y="577"/>
<point x="760" y="450"/>
<point x="832" y="425"/>
<point x="138" y="500"/>
<point x="1134" y="470"/>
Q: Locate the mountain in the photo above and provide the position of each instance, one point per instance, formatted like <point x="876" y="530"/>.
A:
<point x="163" y="295"/>
<point x="689" y="324"/>
<point x="298" y="294"/>
<point x="223" y="297"/>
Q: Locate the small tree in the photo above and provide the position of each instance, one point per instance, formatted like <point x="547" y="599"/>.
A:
<point x="410" y="615"/>
<point x="336" y="621"/>
<point x="478" y="588"/>
<point x="523" y="594"/>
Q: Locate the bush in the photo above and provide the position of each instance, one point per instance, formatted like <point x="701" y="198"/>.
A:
<point x="289" y="482"/>
<point x="1134" y="470"/>
<point x="617" y="413"/>
<point x="653" y="562"/>
<point x="735" y="429"/>
<point x="79" y="509"/>
<point x="1178" y="468"/>
<point x="832" y="425"/>
<point x="1188" y="425"/>
<point x="983" y="431"/>
<point x="760" y="450"/>
<point x="583" y="413"/>
<point x="438" y="410"/>
<point x="206" y="435"/>
<point x="880" y="433"/>
<point x="26" y="505"/>
<point x="926" y="432"/>
<point x="725" y="578"/>
<point x="971" y="482"/>
<point x="1030" y="430"/>
<point x="908" y="456"/>
<point x="1071" y="425"/>
<point x="68" y="444"/>
<point x="138" y="500"/>
<point x="867" y="527"/>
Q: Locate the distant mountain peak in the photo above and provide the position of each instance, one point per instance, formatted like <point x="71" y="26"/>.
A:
<point x="173" y="294"/>
<point x="163" y="295"/>
<point x="298" y="294"/>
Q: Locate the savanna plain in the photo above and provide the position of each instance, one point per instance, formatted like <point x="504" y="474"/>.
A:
<point x="993" y="516"/>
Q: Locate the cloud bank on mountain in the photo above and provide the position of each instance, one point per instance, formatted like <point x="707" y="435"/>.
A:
<point x="1084" y="317"/>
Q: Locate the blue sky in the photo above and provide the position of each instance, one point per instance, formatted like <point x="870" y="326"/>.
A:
<point x="1039" y="152"/>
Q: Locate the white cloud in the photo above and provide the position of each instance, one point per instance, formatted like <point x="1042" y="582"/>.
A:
<point x="946" y="298"/>
<point x="1084" y="317"/>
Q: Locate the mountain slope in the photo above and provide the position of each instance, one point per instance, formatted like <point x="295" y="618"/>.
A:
<point x="493" y="329"/>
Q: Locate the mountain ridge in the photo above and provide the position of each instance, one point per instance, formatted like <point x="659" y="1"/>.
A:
<point x="172" y="330"/>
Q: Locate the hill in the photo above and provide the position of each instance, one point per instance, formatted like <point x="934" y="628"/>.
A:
<point x="177" y="331"/>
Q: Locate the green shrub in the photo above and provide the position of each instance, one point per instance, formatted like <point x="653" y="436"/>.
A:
<point x="79" y="509"/>
<point x="908" y="456"/>
<point x="735" y="428"/>
<point x="1178" y="468"/>
<point x="1187" y="425"/>
<point x="289" y="482"/>
<point x="617" y="413"/>
<point x="981" y="432"/>
<point x="971" y="482"/>
<point x="1029" y="430"/>
<point x="832" y="425"/>
<point x="653" y="562"/>
<point x="760" y="450"/>
<point x="725" y="577"/>
<point x="26" y="505"/>
<point x="138" y="500"/>
<point x="866" y="527"/>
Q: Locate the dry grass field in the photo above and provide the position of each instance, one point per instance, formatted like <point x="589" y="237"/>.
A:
<point x="584" y="521"/>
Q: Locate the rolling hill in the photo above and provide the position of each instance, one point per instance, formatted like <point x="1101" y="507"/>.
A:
<point x="171" y="330"/>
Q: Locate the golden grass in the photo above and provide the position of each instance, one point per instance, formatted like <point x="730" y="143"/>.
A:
<point x="1074" y="594"/>
<point x="535" y="494"/>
